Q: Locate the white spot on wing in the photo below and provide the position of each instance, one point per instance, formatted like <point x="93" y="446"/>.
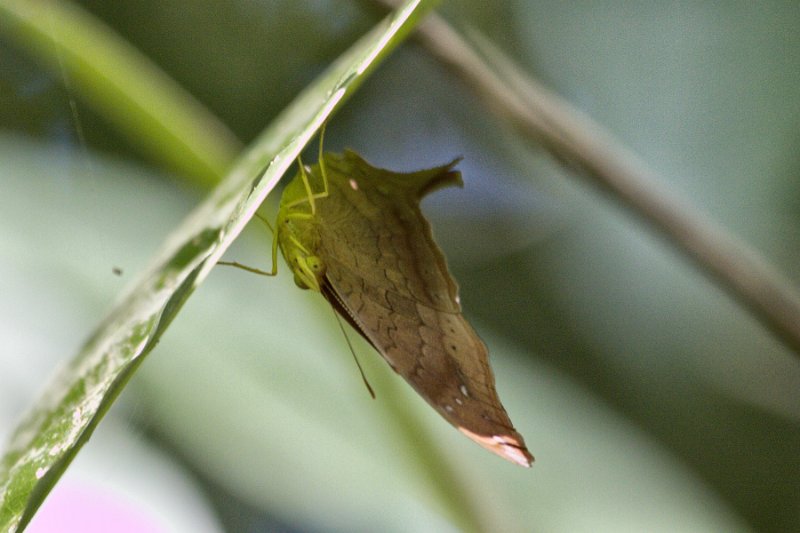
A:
<point x="464" y="391"/>
<point x="353" y="184"/>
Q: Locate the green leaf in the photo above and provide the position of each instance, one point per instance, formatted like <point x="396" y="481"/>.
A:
<point x="64" y="418"/>
<point x="123" y="85"/>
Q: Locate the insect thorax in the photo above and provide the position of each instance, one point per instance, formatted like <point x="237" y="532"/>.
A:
<point x="298" y="237"/>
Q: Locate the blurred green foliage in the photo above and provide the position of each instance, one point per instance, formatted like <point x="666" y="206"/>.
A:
<point x="708" y="93"/>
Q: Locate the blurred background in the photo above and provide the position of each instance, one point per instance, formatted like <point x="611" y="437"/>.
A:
<point x="650" y="400"/>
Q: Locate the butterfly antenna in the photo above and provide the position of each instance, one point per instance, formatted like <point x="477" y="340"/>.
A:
<point x="352" y="351"/>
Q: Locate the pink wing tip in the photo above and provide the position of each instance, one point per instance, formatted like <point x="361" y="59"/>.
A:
<point x="505" y="446"/>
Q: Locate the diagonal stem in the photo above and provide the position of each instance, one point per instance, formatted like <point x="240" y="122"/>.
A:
<point x="585" y="146"/>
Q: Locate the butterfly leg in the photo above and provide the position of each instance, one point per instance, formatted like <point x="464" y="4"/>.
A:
<point x="254" y="270"/>
<point x="258" y="271"/>
<point x="321" y="159"/>
<point x="266" y="222"/>
<point x="310" y="195"/>
<point x="247" y="268"/>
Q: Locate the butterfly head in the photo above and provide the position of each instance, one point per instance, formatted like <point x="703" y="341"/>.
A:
<point x="308" y="271"/>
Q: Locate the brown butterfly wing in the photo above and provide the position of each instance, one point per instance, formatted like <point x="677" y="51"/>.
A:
<point x="387" y="276"/>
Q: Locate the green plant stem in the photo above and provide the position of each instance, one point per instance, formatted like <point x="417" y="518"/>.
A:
<point x="115" y="79"/>
<point x="447" y="487"/>
<point x="577" y="141"/>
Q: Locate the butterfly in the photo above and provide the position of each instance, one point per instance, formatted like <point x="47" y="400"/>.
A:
<point x="355" y="234"/>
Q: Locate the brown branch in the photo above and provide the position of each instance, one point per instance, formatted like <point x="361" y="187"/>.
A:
<point x="582" y="144"/>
